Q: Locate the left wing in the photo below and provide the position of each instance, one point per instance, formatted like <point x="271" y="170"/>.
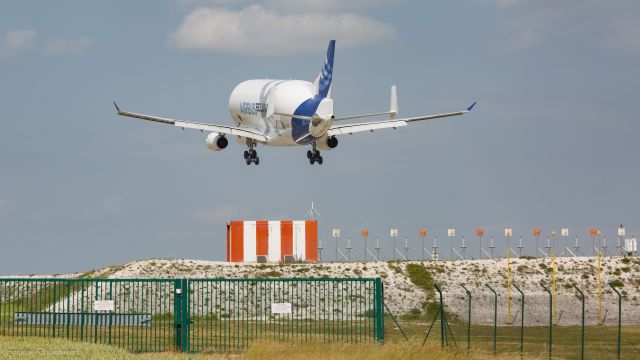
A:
<point x="221" y="129"/>
<point x="395" y="123"/>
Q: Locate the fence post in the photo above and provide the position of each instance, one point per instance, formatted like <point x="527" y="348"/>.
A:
<point x="177" y="312"/>
<point x="495" y="317"/>
<point x="379" y="322"/>
<point x="469" y="318"/>
<point x="619" y="316"/>
<point x="582" y="323"/>
<point x="521" y="320"/>
<point x="550" y="318"/>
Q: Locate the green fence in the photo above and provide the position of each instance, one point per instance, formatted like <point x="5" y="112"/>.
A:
<point x="192" y="314"/>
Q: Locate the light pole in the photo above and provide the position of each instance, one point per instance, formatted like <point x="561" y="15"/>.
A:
<point x="394" y="234"/>
<point x="365" y="235"/>
<point x="423" y="234"/>
<point x="565" y="235"/>
<point x="451" y="233"/>
<point x="336" y="236"/>
<point x="621" y="234"/>
<point x="479" y="234"/>
<point x="320" y="249"/>
<point x="536" y="234"/>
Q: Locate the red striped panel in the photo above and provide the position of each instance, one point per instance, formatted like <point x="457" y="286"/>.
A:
<point x="311" y="240"/>
<point x="237" y="241"/>
<point x="286" y="239"/>
<point x="262" y="238"/>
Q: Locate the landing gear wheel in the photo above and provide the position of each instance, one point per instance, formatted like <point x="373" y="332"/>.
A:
<point x="309" y="154"/>
<point x="254" y="154"/>
<point x="256" y="160"/>
<point x="319" y="159"/>
<point x="312" y="160"/>
<point x="248" y="160"/>
<point x="246" y="154"/>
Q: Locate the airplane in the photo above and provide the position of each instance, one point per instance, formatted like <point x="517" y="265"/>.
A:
<point x="289" y="113"/>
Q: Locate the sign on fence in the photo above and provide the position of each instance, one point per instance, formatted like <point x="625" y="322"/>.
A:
<point x="103" y="305"/>
<point x="281" y="308"/>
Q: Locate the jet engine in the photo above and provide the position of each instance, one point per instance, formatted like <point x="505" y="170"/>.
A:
<point x="216" y="142"/>
<point x="327" y="143"/>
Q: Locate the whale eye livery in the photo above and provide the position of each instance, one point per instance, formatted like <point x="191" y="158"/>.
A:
<point x="289" y="113"/>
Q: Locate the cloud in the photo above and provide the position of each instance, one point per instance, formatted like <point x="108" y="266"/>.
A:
<point x="111" y="206"/>
<point x="326" y="5"/>
<point x="257" y="30"/>
<point x="530" y="23"/>
<point x="71" y="46"/>
<point x="219" y="214"/>
<point x="18" y="41"/>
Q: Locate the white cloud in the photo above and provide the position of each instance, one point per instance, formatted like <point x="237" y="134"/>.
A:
<point x="219" y="214"/>
<point x="18" y="41"/>
<point x="71" y="46"/>
<point x="111" y="206"/>
<point x="257" y="30"/>
<point x="326" y="5"/>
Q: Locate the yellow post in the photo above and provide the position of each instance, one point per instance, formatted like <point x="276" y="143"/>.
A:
<point x="508" y="286"/>
<point x="553" y="280"/>
<point x="599" y="292"/>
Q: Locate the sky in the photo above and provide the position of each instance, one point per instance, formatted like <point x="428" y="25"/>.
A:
<point x="552" y="143"/>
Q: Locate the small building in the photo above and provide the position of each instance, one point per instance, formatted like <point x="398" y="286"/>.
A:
<point x="272" y="241"/>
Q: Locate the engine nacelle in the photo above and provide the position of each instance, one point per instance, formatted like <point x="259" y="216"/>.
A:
<point x="327" y="143"/>
<point x="216" y="142"/>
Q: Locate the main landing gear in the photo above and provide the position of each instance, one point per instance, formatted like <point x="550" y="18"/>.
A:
<point x="251" y="155"/>
<point x="314" y="156"/>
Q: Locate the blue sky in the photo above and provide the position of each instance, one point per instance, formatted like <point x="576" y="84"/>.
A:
<point x="553" y="141"/>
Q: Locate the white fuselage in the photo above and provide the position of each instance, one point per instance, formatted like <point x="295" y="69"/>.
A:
<point x="268" y="105"/>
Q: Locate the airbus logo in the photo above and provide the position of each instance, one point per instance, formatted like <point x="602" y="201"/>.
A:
<point x="252" y="108"/>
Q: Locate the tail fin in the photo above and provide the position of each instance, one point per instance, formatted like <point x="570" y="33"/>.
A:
<point x="325" y="76"/>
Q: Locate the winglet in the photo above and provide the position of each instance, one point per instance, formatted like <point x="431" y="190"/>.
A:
<point x="472" y="105"/>
<point x="117" y="108"/>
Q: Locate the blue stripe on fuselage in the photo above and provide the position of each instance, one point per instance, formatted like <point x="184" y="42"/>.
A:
<point x="300" y="127"/>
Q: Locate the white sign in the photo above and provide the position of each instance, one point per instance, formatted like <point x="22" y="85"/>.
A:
<point x="103" y="305"/>
<point x="565" y="232"/>
<point x="631" y="245"/>
<point x="336" y="232"/>
<point x="621" y="231"/>
<point x="281" y="308"/>
<point x="394" y="232"/>
<point x="508" y="232"/>
<point x="451" y="232"/>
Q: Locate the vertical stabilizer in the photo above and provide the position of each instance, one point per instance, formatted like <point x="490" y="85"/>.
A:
<point x="323" y="80"/>
<point x="393" y="110"/>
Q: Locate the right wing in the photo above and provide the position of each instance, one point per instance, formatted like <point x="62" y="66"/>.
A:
<point x="395" y="123"/>
<point x="228" y="130"/>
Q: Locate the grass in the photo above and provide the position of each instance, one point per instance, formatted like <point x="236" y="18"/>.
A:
<point x="39" y="348"/>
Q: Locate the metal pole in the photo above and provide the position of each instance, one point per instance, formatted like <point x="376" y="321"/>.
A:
<point x="582" y="323"/>
<point x="619" y="316"/>
<point x="495" y="317"/>
<point x="365" y="249"/>
<point x="469" y="318"/>
<point x="521" y="320"/>
<point x="443" y="329"/>
<point x="550" y="318"/>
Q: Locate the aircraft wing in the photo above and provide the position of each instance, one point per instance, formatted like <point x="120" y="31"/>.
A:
<point x="228" y="130"/>
<point x="394" y="123"/>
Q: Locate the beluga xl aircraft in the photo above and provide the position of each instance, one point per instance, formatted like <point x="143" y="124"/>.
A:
<point x="289" y="113"/>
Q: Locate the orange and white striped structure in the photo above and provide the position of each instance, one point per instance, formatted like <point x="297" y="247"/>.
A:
<point x="272" y="241"/>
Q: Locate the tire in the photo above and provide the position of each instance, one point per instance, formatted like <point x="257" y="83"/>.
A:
<point x="256" y="161"/>
<point x="312" y="160"/>
<point x="319" y="160"/>
<point x="309" y="154"/>
<point x="254" y="154"/>
<point x="246" y="154"/>
<point x="248" y="161"/>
